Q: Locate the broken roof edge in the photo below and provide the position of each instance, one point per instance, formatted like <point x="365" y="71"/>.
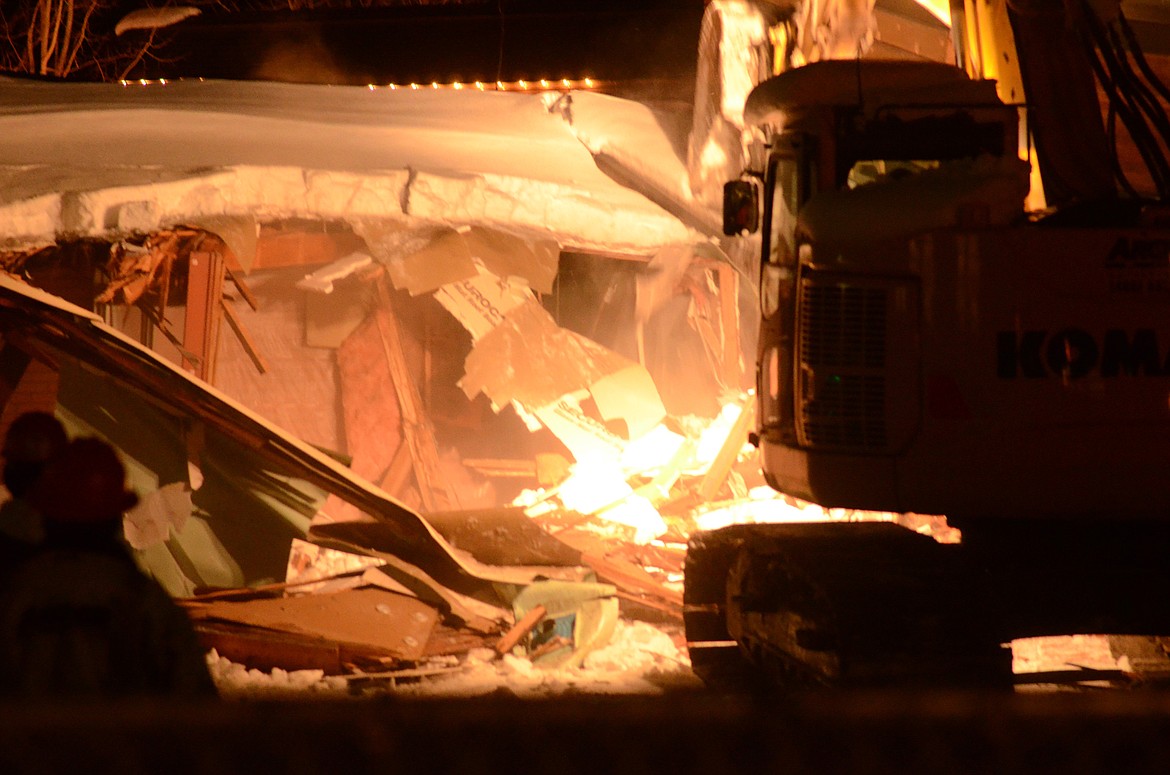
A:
<point x="367" y="496"/>
<point x="628" y="225"/>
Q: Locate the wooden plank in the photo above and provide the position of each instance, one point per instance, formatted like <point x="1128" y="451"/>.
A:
<point x="510" y="638"/>
<point x="243" y="288"/>
<point x="726" y="457"/>
<point x="630" y="577"/>
<point x="201" y="327"/>
<point x="237" y="327"/>
<point x="367" y="619"/>
<point x="496" y="467"/>
<point x="266" y="649"/>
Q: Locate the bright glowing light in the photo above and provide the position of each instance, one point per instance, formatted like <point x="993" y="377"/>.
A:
<point x="714" y="436"/>
<point x="523" y="84"/>
<point x="414" y="86"/>
<point x="566" y="82"/>
<point x="393" y="86"/>
<point x="500" y="86"/>
<point x="479" y="85"/>
<point x="457" y="86"/>
<point x="651" y="451"/>
<point x="589" y="83"/>
<point x="434" y="84"/>
<point x="600" y="488"/>
<point x="543" y="83"/>
<point x="370" y="86"/>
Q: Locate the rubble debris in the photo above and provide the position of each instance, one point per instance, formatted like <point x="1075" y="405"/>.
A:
<point x="577" y="618"/>
<point x="524" y="625"/>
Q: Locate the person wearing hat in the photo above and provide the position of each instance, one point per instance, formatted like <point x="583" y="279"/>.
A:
<point x="78" y="617"/>
<point x="31" y="440"/>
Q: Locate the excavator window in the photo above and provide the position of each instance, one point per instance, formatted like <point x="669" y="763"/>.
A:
<point x="878" y="170"/>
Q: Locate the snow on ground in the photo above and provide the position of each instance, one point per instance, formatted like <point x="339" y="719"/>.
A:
<point x="639" y="659"/>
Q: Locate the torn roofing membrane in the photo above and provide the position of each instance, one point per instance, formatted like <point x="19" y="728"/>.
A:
<point x="253" y="487"/>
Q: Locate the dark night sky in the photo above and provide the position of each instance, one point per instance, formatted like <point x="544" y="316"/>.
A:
<point x="642" y="40"/>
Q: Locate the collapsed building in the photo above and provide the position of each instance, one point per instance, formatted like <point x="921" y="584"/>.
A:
<point x="397" y="373"/>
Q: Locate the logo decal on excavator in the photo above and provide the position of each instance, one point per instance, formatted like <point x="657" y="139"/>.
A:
<point x="1074" y="353"/>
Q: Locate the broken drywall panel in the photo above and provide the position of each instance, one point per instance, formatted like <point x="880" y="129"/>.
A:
<point x="481" y="303"/>
<point x="369" y="618"/>
<point x="424" y="260"/>
<point x="331" y="318"/>
<point x="430" y="259"/>
<point x="321" y="281"/>
<point x="629" y="395"/>
<point x="240" y="234"/>
<point x="586" y="438"/>
<point x="528" y="358"/>
<point x="509" y="256"/>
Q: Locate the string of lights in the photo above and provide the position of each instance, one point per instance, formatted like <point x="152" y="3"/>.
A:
<point x="540" y="84"/>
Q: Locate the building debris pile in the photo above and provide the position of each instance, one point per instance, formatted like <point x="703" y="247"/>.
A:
<point x="427" y="585"/>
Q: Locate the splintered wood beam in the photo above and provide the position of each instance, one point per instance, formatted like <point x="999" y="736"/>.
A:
<point x="502" y="468"/>
<point x="417" y="431"/>
<point x="237" y="327"/>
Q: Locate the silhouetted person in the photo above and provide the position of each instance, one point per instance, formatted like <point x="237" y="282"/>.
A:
<point x="78" y="618"/>
<point x="32" y="439"/>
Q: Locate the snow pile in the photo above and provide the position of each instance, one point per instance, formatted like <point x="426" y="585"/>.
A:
<point x="104" y="160"/>
<point x="635" y="657"/>
<point x="235" y="681"/>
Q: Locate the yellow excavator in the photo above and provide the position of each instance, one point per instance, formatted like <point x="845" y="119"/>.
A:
<point x="964" y="283"/>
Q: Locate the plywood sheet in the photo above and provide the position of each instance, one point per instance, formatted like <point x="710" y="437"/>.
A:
<point x="369" y="617"/>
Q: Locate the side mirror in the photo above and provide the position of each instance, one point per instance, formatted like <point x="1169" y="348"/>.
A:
<point x="741" y="207"/>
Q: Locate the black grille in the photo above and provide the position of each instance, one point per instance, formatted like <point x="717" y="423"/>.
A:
<point x="843" y="355"/>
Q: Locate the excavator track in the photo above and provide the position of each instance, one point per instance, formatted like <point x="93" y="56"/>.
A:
<point x="836" y="604"/>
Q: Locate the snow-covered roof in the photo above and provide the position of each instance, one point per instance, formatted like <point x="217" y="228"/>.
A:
<point x="77" y="157"/>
